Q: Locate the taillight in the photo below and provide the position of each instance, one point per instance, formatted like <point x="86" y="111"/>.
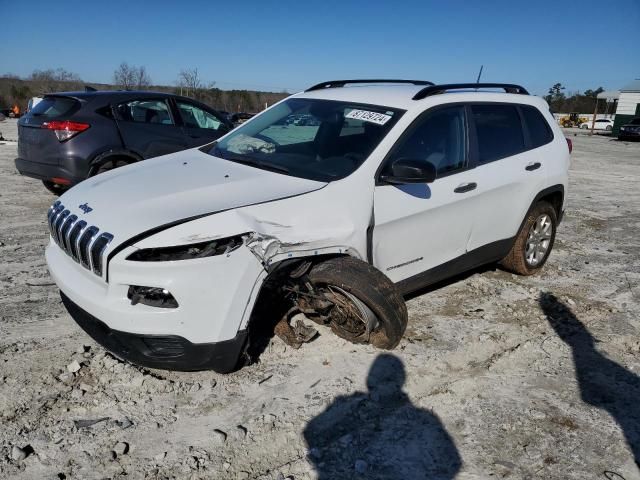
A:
<point x="64" y="130"/>
<point x="570" y="144"/>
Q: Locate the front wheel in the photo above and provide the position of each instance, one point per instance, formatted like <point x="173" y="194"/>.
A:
<point x="534" y="241"/>
<point x="367" y="307"/>
<point x="608" y="128"/>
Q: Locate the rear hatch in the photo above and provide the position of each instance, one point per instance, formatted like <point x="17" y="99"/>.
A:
<point x="39" y="144"/>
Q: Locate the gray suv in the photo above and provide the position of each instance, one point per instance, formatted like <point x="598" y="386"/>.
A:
<point x="71" y="136"/>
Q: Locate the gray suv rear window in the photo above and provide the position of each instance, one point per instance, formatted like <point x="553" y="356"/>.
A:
<point x="53" y="107"/>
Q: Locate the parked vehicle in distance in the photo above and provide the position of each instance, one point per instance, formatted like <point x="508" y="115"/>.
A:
<point x="176" y="263"/>
<point x="70" y="136"/>
<point x="631" y="130"/>
<point x="241" y="117"/>
<point x="13" y="112"/>
<point x="600" y="124"/>
<point x="572" y="120"/>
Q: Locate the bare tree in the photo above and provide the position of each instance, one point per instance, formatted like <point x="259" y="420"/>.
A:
<point x="129" y="76"/>
<point x="142" y="77"/>
<point x="50" y="80"/>
<point x="189" y="79"/>
<point x="124" y="76"/>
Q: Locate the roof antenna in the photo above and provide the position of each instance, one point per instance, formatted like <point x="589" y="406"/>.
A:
<point x="479" y="74"/>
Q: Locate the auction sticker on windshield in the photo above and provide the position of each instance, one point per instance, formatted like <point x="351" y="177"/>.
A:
<point x="367" y="116"/>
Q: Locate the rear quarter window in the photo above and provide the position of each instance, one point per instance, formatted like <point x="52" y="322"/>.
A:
<point x="539" y="131"/>
<point x="54" y="107"/>
<point x="499" y="131"/>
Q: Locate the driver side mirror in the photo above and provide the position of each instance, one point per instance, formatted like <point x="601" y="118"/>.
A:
<point x="408" y="170"/>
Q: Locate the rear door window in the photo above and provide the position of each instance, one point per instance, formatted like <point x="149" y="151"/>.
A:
<point x="499" y="131"/>
<point x="145" y="111"/>
<point x="54" y="107"/>
<point x="195" y="117"/>
<point x="539" y="131"/>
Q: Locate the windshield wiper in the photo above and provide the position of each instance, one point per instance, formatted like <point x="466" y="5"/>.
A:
<point x="252" y="162"/>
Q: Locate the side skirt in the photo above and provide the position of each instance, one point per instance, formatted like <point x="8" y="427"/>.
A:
<point x="489" y="253"/>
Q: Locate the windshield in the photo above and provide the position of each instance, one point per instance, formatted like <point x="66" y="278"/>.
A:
<point x="321" y="140"/>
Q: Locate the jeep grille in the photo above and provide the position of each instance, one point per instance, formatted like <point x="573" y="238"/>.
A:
<point x="82" y="242"/>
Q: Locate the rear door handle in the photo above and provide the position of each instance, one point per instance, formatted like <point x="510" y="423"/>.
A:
<point x="533" y="166"/>
<point x="465" y="187"/>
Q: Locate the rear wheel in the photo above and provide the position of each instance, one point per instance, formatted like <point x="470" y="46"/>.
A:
<point x="54" y="188"/>
<point x="534" y="241"/>
<point x="110" y="164"/>
<point x="367" y="307"/>
<point x="608" y="128"/>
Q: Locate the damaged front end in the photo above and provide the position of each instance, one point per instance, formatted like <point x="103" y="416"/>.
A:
<point x="327" y="305"/>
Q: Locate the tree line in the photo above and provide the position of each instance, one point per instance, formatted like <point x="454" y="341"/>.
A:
<point x="16" y="90"/>
<point x="585" y="102"/>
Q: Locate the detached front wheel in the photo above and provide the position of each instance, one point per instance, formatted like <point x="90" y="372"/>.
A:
<point x="365" y="306"/>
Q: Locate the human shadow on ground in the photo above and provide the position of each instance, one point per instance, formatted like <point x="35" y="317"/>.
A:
<point x="380" y="434"/>
<point x="603" y="383"/>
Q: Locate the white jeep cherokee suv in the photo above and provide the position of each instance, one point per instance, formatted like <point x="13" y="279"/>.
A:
<point x="386" y="186"/>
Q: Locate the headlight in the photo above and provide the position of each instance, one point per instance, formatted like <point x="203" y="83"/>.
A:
<point x="209" y="248"/>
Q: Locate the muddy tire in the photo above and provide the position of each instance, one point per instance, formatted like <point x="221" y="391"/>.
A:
<point x="54" y="187"/>
<point x="369" y="286"/>
<point x="534" y="241"/>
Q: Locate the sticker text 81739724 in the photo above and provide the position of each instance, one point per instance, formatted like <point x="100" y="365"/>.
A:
<point x="367" y="116"/>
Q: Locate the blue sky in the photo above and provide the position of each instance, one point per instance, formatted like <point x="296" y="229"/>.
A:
<point x="292" y="44"/>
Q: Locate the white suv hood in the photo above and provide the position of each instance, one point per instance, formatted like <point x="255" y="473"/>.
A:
<point x="140" y="197"/>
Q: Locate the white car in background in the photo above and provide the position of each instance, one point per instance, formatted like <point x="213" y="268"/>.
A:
<point x="388" y="187"/>
<point x="601" y="124"/>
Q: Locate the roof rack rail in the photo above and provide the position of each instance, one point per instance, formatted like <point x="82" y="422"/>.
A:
<point x="342" y="83"/>
<point x="436" y="89"/>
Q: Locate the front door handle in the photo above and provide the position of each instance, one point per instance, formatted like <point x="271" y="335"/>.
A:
<point x="533" y="166"/>
<point x="465" y="187"/>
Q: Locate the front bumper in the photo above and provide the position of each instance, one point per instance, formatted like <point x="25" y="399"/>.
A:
<point x="215" y="297"/>
<point x="170" y="352"/>
<point x="630" y="134"/>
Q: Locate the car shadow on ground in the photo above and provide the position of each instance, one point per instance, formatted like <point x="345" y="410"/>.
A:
<point x="603" y="383"/>
<point x="380" y="433"/>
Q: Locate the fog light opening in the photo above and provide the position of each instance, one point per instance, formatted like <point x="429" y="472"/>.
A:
<point x="151" y="296"/>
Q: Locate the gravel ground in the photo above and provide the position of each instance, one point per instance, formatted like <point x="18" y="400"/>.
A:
<point x="497" y="376"/>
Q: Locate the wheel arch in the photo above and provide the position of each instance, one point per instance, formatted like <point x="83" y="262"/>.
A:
<point x="110" y="154"/>
<point x="554" y="195"/>
<point x="285" y="267"/>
